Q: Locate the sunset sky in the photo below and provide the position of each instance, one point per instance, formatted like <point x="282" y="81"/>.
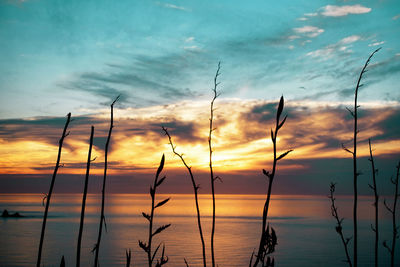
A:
<point x="161" y="57"/>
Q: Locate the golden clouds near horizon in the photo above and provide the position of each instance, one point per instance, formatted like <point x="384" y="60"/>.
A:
<point x="241" y="140"/>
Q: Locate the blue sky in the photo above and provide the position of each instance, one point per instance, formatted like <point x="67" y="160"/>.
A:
<point x="62" y="56"/>
<point x="161" y="57"/>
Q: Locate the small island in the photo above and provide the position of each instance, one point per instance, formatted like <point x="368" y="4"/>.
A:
<point x="6" y="214"/>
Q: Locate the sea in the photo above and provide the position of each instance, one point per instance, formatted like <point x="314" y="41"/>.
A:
<point x="304" y="227"/>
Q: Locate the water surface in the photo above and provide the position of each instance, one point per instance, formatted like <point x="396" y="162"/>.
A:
<point x="304" y="226"/>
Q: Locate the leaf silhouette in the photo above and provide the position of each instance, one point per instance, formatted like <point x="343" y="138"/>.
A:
<point x="143" y="246"/>
<point x="152" y="192"/>
<point x="161" y="228"/>
<point x="284" y="154"/>
<point x="280" y="108"/>
<point x="147" y="216"/>
<point x="160" y="181"/>
<point x="161" y="165"/>
<point x="282" y="122"/>
<point x="162" y="202"/>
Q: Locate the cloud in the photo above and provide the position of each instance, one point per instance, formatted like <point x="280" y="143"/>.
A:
<point x="172" y="6"/>
<point x="309" y="31"/>
<point x="311" y="14"/>
<point x="189" y="39"/>
<point x="324" y="53"/>
<point x="350" y="39"/>
<point x="307" y="15"/>
<point x="144" y="80"/>
<point x="385" y="68"/>
<point x="341" y="46"/>
<point x="377" y="43"/>
<point x="241" y="140"/>
<point x="293" y="37"/>
<point x="340" y="11"/>
<point x="192" y="47"/>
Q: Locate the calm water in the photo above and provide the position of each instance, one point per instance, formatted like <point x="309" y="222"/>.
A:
<point x="305" y="229"/>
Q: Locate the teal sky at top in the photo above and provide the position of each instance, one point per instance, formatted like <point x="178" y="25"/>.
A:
<point x="61" y="56"/>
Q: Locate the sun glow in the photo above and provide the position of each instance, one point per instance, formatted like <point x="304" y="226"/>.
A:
<point x="240" y="141"/>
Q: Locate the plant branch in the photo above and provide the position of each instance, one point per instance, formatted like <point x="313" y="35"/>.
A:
<point x="195" y="189"/>
<point x="147" y="247"/>
<point x="339" y="221"/>
<point x="376" y="203"/>
<point x="103" y="191"/>
<point x="355" y="171"/>
<point x="392" y="210"/>
<point x="48" y="196"/>
<point x="211" y="129"/>
<point x="264" y="245"/>
<point x="89" y="160"/>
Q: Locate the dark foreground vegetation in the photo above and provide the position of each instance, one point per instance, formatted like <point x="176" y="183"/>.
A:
<point x="263" y="253"/>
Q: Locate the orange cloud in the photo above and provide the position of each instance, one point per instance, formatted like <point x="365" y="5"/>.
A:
<point x="241" y="139"/>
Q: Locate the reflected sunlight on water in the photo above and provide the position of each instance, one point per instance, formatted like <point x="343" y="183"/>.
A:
<point x="305" y="229"/>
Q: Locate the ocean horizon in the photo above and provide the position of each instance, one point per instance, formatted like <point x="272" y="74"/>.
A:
<point x="304" y="226"/>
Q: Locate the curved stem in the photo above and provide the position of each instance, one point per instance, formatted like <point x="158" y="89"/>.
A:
<point x="60" y="144"/>
<point x="195" y="189"/>
<point x="212" y="178"/>
<point x="103" y="191"/>
<point x="89" y="160"/>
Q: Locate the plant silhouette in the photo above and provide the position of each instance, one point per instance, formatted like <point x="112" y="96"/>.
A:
<point x="356" y="172"/>
<point x="392" y="210"/>
<point x="269" y="241"/>
<point x="89" y="160"/>
<point x="53" y="179"/>
<point x="96" y="249"/>
<point x="147" y="247"/>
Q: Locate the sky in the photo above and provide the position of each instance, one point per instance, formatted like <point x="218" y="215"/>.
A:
<point x="161" y="58"/>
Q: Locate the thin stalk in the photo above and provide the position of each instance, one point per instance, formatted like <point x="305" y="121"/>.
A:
<point x="376" y="202"/>
<point x="89" y="160"/>
<point x="62" y="263"/>
<point x="266" y="204"/>
<point x="395" y="228"/>
<point x="392" y="210"/>
<point x="212" y="178"/>
<point x="128" y="257"/>
<point x="148" y="247"/>
<point x="270" y="176"/>
<point x="150" y="239"/>
<point x="339" y="228"/>
<point x="48" y="197"/>
<point x="149" y="260"/>
<point x="354" y="113"/>
<point x="195" y="189"/>
<point x="103" y="191"/>
<point x="355" y="175"/>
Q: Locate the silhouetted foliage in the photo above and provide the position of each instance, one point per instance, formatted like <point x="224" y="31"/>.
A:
<point x="375" y="228"/>
<point x="392" y="210"/>
<point x="89" y="160"/>
<point x="213" y="178"/>
<point x="62" y="264"/>
<point x="266" y="247"/>
<point x="356" y="173"/>
<point x="195" y="191"/>
<point x="128" y="257"/>
<point x="103" y="191"/>
<point x="53" y="179"/>
<point x="150" y="217"/>
<point x="339" y="221"/>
